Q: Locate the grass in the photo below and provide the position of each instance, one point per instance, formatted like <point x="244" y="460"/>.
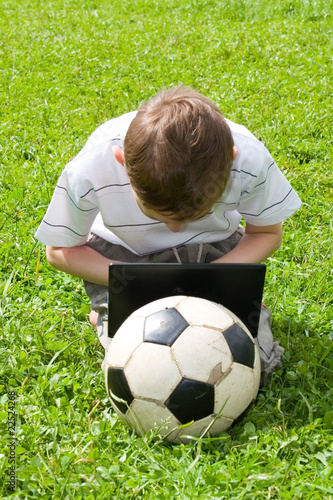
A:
<point x="67" y="66"/>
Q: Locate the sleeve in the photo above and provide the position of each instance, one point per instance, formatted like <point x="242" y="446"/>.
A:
<point x="70" y="214"/>
<point x="267" y="197"/>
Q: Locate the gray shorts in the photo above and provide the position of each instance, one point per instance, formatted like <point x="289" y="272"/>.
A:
<point x="270" y="351"/>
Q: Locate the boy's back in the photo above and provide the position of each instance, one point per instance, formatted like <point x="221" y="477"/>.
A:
<point x="93" y="181"/>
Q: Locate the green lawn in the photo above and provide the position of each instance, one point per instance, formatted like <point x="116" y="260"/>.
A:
<point x="67" y="66"/>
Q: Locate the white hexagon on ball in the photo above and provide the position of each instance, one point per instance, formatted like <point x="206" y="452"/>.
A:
<point x="121" y="351"/>
<point x="236" y="391"/>
<point x="202" y="354"/>
<point x="210" y="425"/>
<point x="145" y="415"/>
<point x="151" y="372"/>
<point x="203" y="312"/>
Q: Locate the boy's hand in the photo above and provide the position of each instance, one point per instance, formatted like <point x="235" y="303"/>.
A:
<point x="257" y="244"/>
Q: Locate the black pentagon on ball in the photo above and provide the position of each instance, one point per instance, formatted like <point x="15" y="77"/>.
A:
<point x="240" y="344"/>
<point x="191" y="400"/>
<point x="117" y="385"/>
<point x="164" y="327"/>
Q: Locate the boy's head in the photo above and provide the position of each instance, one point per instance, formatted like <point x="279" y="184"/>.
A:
<point x="178" y="154"/>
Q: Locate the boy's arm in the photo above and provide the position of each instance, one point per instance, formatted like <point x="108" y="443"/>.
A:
<point x="81" y="261"/>
<point x="257" y="243"/>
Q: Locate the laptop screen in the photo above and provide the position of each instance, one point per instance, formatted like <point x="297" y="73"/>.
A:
<point x="239" y="287"/>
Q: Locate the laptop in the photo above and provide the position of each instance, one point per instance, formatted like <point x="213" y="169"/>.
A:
<point x="239" y="287"/>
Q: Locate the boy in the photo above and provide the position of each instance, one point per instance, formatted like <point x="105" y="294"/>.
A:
<point x="169" y="183"/>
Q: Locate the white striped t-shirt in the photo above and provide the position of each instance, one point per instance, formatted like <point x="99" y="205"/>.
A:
<point x="93" y="194"/>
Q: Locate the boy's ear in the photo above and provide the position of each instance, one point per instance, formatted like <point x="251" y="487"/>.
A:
<point x="118" y="154"/>
<point x="235" y="152"/>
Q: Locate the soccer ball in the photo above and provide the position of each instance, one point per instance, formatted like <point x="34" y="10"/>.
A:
<point x="182" y="365"/>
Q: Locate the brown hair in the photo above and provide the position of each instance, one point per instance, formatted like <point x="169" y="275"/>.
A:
<point x="178" y="153"/>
